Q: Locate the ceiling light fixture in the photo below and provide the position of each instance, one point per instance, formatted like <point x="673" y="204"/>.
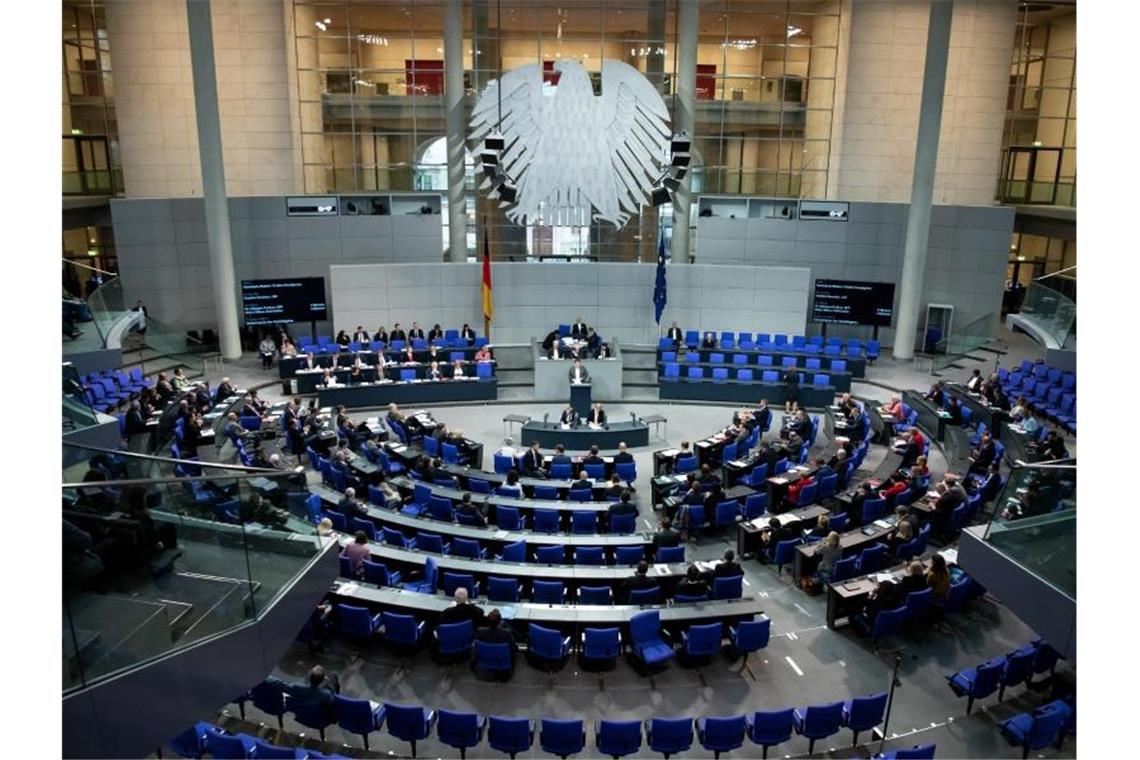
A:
<point x="794" y="30"/>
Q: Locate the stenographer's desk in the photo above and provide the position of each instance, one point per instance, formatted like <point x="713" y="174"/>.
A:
<point x="409" y="394"/>
<point x="582" y="437"/>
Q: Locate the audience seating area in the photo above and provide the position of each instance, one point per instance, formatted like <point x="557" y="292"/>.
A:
<point x="1050" y="391"/>
<point x="745" y="341"/>
<point x="324" y="344"/>
<point x="107" y="390"/>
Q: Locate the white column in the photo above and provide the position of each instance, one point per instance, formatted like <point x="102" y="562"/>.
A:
<point x="922" y="188"/>
<point x="456" y="129"/>
<point x="218" y="240"/>
<point x="688" y="18"/>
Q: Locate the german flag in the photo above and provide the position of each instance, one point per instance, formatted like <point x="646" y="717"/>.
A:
<point x="488" y="299"/>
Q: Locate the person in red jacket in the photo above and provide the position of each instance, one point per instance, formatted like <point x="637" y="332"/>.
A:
<point x="795" y="488"/>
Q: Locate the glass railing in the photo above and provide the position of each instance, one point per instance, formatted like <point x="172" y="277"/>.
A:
<point x="151" y="565"/>
<point x="964" y="341"/>
<point x="1035" y="522"/>
<point x="1050" y="311"/>
<point x="107" y="307"/>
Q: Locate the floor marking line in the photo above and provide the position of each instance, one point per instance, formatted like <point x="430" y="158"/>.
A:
<point x="801" y="609"/>
<point x="795" y="667"/>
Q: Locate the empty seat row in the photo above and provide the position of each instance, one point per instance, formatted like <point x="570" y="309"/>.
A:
<point x="762" y="360"/>
<point x="996" y="674"/>
<point x="672" y="372"/>
<point x="206" y="738"/>
<point x="517" y="551"/>
<point x="617" y="738"/>
<point x="747" y="341"/>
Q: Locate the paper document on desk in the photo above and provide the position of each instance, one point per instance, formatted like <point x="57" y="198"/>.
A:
<point x="707" y="567"/>
<point x="347" y="588"/>
<point x="882" y="524"/>
<point x="737" y="463"/>
<point x="880" y="577"/>
<point x="950" y="555"/>
<point x="660" y="569"/>
<point x="501" y="534"/>
<point x="779" y="481"/>
<point x="670" y="452"/>
<point x="787" y="518"/>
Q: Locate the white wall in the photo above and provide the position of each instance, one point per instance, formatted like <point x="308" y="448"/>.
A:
<point x="533" y="298"/>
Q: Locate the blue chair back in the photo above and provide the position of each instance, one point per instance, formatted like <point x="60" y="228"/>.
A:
<point x="460" y="730"/>
<point x="645" y="595"/>
<point x="595" y="595"/>
<point x="596" y="471"/>
<point x="670" y="735"/>
<point x="455" y="638"/>
<point x="452" y="581"/>
<point x="671" y="554"/>
<point x="561" y="470"/>
<point x="466" y="547"/>
<point x="548" y="592"/>
<point x="407" y="722"/>
<point x="583" y="522"/>
<point x="546" y="521"/>
<point x="722" y="734"/>
<point x="515" y="552"/>
<point x="623" y="524"/>
<point x="631" y="555"/>
<point x="503" y="464"/>
<point x="703" y="640"/>
<point x="502" y="589"/>
<point x="872" y="558"/>
<point x="756" y="504"/>
<point x="589" y="555"/>
<point x="562" y="737"/>
<point x="917" y="752"/>
<point x="401" y="629"/>
<point x="863" y="713"/>
<point x="821" y="721"/>
<point x="751" y="635"/>
<point x="508" y="518"/>
<point x="618" y="738"/>
<point x="550" y="555"/>
<point x="547" y="643"/>
<point x="771" y="727"/>
<point x="844" y="569"/>
<point x="728" y="588"/>
<point x="509" y="735"/>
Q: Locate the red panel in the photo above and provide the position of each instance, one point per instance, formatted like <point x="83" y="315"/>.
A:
<point x="425" y="77"/>
<point x="706" y="81"/>
<point x="549" y="75"/>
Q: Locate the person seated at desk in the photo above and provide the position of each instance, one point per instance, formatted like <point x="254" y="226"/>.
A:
<point x="938" y="577"/>
<point x="1027" y="504"/>
<point x="394" y="413"/>
<point x="467" y="334"/>
<point x="794" y="490"/>
<point x="885" y="596"/>
<point x="828" y="552"/>
<point x="995" y="394"/>
<point x="434" y="355"/>
<point x="134" y="422"/>
<point x="593" y="344"/>
<point x="954" y="407"/>
<point x="639" y="580"/>
<point x="984" y="455"/>
<point x="287" y="348"/>
<point x="910" y="450"/>
<point x="846" y="404"/>
<point x="841" y="466"/>
<point x="583" y="482"/>
<point x="821" y="529"/>
<point x="935" y="393"/>
<point x="381" y="335"/>
<point x="624" y="505"/>
<point x="560" y="456"/>
<point x="800" y="425"/>
<point x="899" y="482"/>
<point x="579" y="329"/>
<point x="686" y="451"/>
<point x="855" y="511"/>
<point x="328" y="378"/>
<point x="708" y="479"/>
<point x="775" y="533"/>
<point x="597" y="418"/>
<point x="893" y="409"/>
<point x="622" y="456"/>
<point x="728" y="567"/>
<point x="556" y="352"/>
<point x="435" y="333"/>
<point x="989" y="486"/>
<point x="457" y="372"/>
<point x="511" y="487"/>
<point x="318" y="694"/>
<point x="308" y="361"/>
<point x="234" y="430"/>
<point x="569" y="417"/>
<point x="408" y="356"/>
<point x="462" y="610"/>
<point x="714" y="496"/>
<point x="361" y="336"/>
<point x="483" y="354"/>
<point x="532" y="462"/>
<point x="709" y="340"/>
<point x="592" y="457"/>
<point x="471" y="511"/>
<point x="902" y="533"/>
<point x="949" y="499"/>
<point x="508" y="449"/>
<point x="914" y="580"/>
<point x="441" y="435"/>
<point x="920" y="473"/>
<point x="356" y="552"/>
<point x="1020" y="410"/>
<point x="397" y="333"/>
<point x="693" y="585"/>
<point x="675" y="334"/>
<point x="434" y="373"/>
<point x="179" y="381"/>
<point x="356" y="375"/>
<point x="974" y="384"/>
<point x="350" y="506"/>
<point x="615" y="490"/>
<point x="342" y="339"/>
<point x="666" y="536"/>
<point x="495" y="632"/>
<point x="1052" y="448"/>
<point x="416" y="332"/>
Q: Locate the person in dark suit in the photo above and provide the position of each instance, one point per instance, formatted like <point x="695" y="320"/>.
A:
<point x="579" y="330"/>
<point x="361" y="335"/>
<point x="624" y="505"/>
<point x="578" y="373"/>
<point x="583" y="482"/>
<point x="435" y="332"/>
<point x="467" y="334"/>
<point x="350" y="506"/>
<point x="639" y="580"/>
<point x="532" y="461"/>
<point x="471" y="511"/>
<point x="903" y="514"/>
<point x="202" y="398"/>
<point x="949" y="499"/>
<point x="320" y="691"/>
<point x="841" y="467"/>
<point x="693" y="585"/>
<point x="728" y="566"/>
<point x="800" y="425"/>
<point x="770" y="538"/>
<point x="134" y="423"/>
<point x="666" y="536"/>
<point x="886" y="596"/>
<point x="984" y="455"/>
<point x="695" y="495"/>
<point x="990" y="486"/>
<point x="855" y="513"/>
<point x="709" y="340"/>
<point x="569" y="416"/>
<point x="708" y="479"/>
<point x="622" y="456"/>
<point x="914" y="580"/>
<point x="462" y="610"/>
<point x="397" y="333"/>
<point x="675" y="334"/>
<point x="560" y="455"/>
<point x="593" y="344"/>
<point x="494" y="632"/>
<point x="713" y="497"/>
<point x="381" y="334"/>
<point x="592" y="457"/>
<point x="910" y="451"/>
<point x="616" y="488"/>
<point x="416" y="332"/>
<point x="597" y="415"/>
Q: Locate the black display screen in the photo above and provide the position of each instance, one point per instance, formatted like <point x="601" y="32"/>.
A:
<point x="850" y="302"/>
<point x="276" y="302"/>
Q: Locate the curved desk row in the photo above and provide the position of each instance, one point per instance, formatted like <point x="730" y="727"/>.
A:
<point x="565" y="617"/>
<point x="395" y="558"/>
<point x="287" y="366"/>
<point x="310" y="380"/>
<point x="736" y="392"/>
<point x="581" y="438"/>
<point x="494" y="479"/>
<point x="936" y="424"/>
<point x="857" y="366"/>
<point x="382" y="394"/>
<point x="407" y="486"/>
<point x="840" y="381"/>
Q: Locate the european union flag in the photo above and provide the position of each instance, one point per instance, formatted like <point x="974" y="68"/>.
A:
<point x="659" y="297"/>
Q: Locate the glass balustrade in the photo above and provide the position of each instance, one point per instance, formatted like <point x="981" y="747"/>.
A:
<point x="1050" y="311"/>
<point x="159" y="554"/>
<point x="1035" y="522"/>
<point x="964" y="341"/>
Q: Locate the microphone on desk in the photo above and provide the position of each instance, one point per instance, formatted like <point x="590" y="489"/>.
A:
<point x="545" y="418"/>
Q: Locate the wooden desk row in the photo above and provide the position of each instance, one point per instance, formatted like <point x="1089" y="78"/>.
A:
<point x="846" y="598"/>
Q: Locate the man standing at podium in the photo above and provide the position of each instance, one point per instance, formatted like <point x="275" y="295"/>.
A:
<point x="578" y="373"/>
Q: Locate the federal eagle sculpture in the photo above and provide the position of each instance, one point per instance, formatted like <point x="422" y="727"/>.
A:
<point x="573" y="156"/>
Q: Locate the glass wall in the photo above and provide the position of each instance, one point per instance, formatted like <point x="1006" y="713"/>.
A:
<point x="1039" y="144"/>
<point x="370" y="85"/>
<point x="90" y="134"/>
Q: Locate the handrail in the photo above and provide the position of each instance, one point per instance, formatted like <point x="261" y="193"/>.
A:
<point x="88" y="266"/>
<point x="157" y="481"/>
<point x="1054" y="274"/>
<point x="171" y="460"/>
